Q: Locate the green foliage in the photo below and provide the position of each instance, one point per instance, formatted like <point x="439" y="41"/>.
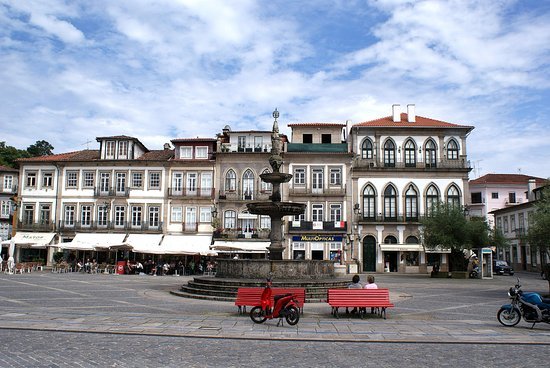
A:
<point x="9" y="155"/>
<point x="58" y="257"/>
<point x="40" y="148"/>
<point x="497" y="239"/>
<point x="538" y="234"/>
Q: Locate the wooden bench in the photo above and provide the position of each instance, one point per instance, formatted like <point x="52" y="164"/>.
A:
<point x="250" y="297"/>
<point x="359" y="298"/>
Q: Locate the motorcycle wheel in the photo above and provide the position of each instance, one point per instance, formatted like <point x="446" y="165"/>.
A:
<point x="509" y="318"/>
<point x="257" y="315"/>
<point x="292" y="315"/>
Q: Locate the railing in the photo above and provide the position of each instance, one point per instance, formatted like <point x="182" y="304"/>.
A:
<point x="237" y="195"/>
<point x="308" y="191"/>
<point x="398" y="218"/>
<point x="225" y="147"/>
<point x="11" y="190"/>
<point x="240" y="234"/>
<point x="112" y="192"/>
<point x="190" y="227"/>
<point x="48" y="226"/>
<point x="375" y="164"/>
<point x="186" y="193"/>
<point x="317" y="225"/>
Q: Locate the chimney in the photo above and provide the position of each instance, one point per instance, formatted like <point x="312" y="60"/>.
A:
<point x="411" y="113"/>
<point x="531" y="185"/>
<point x="396" y="113"/>
<point x="167" y="146"/>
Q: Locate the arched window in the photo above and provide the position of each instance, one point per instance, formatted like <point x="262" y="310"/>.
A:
<point x="432" y="199"/>
<point x="411" y="204"/>
<point x="366" y="149"/>
<point x="390" y="239"/>
<point x="230" y="181"/>
<point x="229" y="219"/>
<point x="410" y="154"/>
<point x="369" y="203"/>
<point x="411" y="240"/>
<point x="266" y="187"/>
<point x="430" y="154"/>
<point x="389" y="153"/>
<point x="453" y="196"/>
<point x="390" y="203"/>
<point x="248" y="184"/>
<point x="452" y="150"/>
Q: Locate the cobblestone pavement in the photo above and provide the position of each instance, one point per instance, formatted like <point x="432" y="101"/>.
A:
<point x="89" y="320"/>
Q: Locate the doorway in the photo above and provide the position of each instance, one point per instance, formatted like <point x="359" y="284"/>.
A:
<point x="369" y="254"/>
<point x="390" y="261"/>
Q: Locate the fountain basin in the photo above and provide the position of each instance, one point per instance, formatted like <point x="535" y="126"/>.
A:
<point x="276" y="209"/>
<point x="276" y="177"/>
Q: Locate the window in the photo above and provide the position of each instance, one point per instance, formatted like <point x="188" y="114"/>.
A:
<point x="317" y="213"/>
<point x="177" y="182"/>
<point x="47" y="180"/>
<point x="453" y="196"/>
<point x="335" y="176"/>
<point x="248" y="184"/>
<point x="5" y="209"/>
<point x="104" y="181"/>
<point x="512" y="223"/>
<point x="72" y="179"/>
<point x="154" y="180"/>
<point x="499" y="223"/>
<point x="186" y="152"/>
<point x="123" y="148"/>
<point x="28" y="214"/>
<point x="369" y="203"/>
<point x="136" y="216"/>
<point x="494" y="195"/>
<point x="410" y="154"/>
<point x="137" y="180"/>
<point x="300" y="176"/>
<point x="241" y="142"/>
<point x="366" y="149"/>
<point x="266" y="187"/>
<point x="521" y="223"/>
<point x="411" y="258"/>
<point x="201" y="152"/>
<point x="230" y="181"/>
<point x="390" y="203"/>
<point x="121" y="182"/>
<point x="30" y="179"/>
<point x="326" y="138"/>
<point x="88" y="179"/>
<point x="265" y="222"/>
<point x="505" y="224"/>
<point x="452" y="150"/>
<point x="307" y="138"/>
<point x="411" y="204"/>
<point x="206" y="183"/>
<point x="432" y="199"/>
<point x="176" y="214"/>
<point x="86" y="215"/>
<point x="229" y="220"/>
<point x="476" y="198"/>
<point x="191" y="184"/>
<point x="317" y="180"/>
<point x="8" y="182"/>
<point x="511" y="197"/>
<point x="69" y="215"/>
<point x="390" y="239"/>
<point x="154" y="216"/>
<point x="430" y="154"/>
<point x="102" y="215"/>
<point x="120" y="215"/>
<point x="335" y="212"/>
<point x="109" y="149"/>
<point x="258" y="142"/>
<point x="389" y="154"/>
<point x="205" y="214"/>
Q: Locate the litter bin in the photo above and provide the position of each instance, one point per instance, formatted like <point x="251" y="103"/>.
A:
<point x="120" y="267"/>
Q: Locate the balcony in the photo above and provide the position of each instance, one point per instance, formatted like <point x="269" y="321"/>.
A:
<point x="227" y="148"/>
<point x="375" y="164"/>
<point x="190" y="227"/>
<point x="237" y="195"/>
<point x="398" y="219"/>
<point x="339" y="226"/>
<point x="11" y="190"/>
<point x="306" y="191"/>
<point x="112" y="192"/>
<point x="187" y="193"/>
<point x="317" y="147"/>
<point x="233" y="234"/>
<point x="47" y="226"/>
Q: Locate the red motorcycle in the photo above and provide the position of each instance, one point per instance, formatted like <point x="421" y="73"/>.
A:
<point x="285" y="306"/>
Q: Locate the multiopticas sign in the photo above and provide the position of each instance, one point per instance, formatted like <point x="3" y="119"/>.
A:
<point x="317" y="238"/>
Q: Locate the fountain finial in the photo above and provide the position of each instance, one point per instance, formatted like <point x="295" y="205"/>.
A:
<point x="275" y="160"/>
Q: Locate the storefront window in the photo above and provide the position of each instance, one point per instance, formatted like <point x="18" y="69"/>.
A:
<point x="411" y="258"/>
<point x="433" y="259"/>
<point x="298" y="250"/>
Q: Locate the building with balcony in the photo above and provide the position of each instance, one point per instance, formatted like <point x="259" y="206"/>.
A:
<point x="9" y="180"/>
<point x="513" y="222"/>
<point x="318" y="158"/>
<point x="494" y="191"/>
<point x="403" y="165"/>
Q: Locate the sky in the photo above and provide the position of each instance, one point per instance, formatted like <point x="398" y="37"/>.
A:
<point x="71" y="71"/>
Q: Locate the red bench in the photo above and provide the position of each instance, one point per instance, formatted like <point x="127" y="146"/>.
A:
<point x="359" y="298"/>
<point x="250" y="297"/>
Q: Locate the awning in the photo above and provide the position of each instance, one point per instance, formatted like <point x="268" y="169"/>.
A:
<point x="94" y="241"/>
<point x="438" y="250"/>
<point x="187" y="244"/>
<point x="241" y="246"/>
<point x="247" y="216"/>
<point x="34" y="240"/>
<point x="145" y="243"/>
<point x="401" y="247"/>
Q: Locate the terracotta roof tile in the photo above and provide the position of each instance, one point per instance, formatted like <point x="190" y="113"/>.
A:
<point x="9" y="169"/>
<point x="84" y="155"/>
<point x="157" y="155"/>
<point x="193" y="140"/>
<point x="421" y="122"/>
<point x="507" y="179"/>
<point x="316" y="125"/>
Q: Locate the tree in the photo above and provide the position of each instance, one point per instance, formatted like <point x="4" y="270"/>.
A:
<point x="538" y="234"/>
<point x="40" y="148"/>
<point x="9" y="155"/>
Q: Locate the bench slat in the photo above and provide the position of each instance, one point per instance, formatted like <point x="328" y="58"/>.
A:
<point x="359" y="298"/>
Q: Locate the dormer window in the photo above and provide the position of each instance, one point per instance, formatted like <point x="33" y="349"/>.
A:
<point x="122" y="148"/>
<point x="110" y="149"/>
<point x="201" y="152"/>
<point x="186" y="152"/>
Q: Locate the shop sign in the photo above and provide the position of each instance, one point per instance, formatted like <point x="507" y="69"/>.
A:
<point x="317" y="238"/>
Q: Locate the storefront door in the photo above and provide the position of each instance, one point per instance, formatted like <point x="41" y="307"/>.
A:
<point x="369" y="254"/>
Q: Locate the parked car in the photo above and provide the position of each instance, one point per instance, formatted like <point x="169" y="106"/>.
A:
<point x="501" y="267"/>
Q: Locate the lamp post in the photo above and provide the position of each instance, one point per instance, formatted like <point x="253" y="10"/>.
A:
<point x="356" y="212"/>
